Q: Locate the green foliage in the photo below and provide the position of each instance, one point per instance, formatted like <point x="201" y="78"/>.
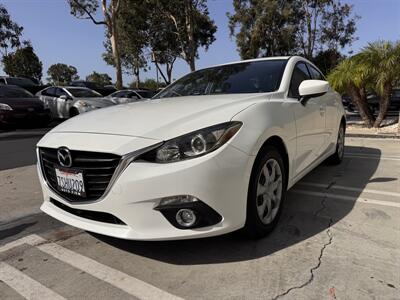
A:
<point x="62" y="74"/>
<point x="99" y="78"/>
<point x="23" y="63"/>
<point x="150" y="84"/>
<point x="274" y="27"/>
<point x="376" y="68"/>
<point x="326" y="60"/>
<point x="266" y="28"/>
<point x="10" y="32"/>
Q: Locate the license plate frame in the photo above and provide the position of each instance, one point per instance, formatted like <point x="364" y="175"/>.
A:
<point x="70" y="181"/>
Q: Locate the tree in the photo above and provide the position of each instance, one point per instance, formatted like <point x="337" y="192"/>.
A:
<point x="192" y="25"/>
<point x="163" y="42"/>
<point x="275" y="27"/>
<point x="352" y="78"/>
<point x="326" y="60"/>
<point x="62" y="74"/>
<point x="111" y="10"/>
<point x="325" y="24"/>
<point x="264" y="27"/>
<point x="23" y="63"/>
<point x="10" y="32"/>
<point x="100" y="78"/>
<point x="382" y="61"/>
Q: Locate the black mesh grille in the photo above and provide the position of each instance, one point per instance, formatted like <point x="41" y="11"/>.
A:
<point x="97" y="168"/>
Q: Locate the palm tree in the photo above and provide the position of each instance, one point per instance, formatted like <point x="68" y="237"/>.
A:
<point x="382" y="61"/>
<point x="352" y="77"/>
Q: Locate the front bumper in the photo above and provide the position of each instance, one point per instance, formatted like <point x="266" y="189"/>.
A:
<point x="219" y="179"/>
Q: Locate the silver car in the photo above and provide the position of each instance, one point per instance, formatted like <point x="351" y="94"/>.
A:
<point x="67" y="101"/>
<point x="130" y="95"/>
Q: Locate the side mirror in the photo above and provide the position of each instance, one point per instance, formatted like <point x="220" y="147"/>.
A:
<point x="312" y="88"/>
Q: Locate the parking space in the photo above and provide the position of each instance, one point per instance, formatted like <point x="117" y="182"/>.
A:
<point x="338" y="239"/>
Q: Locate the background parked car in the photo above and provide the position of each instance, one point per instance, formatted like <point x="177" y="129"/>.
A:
<point x="373" y="102"/>
<point x="18" y="106"/>
<point x="104" y="90"/>
<point x="24" y="83"/>
<point x="130" y="95"/>
<point x="67" y="101"/>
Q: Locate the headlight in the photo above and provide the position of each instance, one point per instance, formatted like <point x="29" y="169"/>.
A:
<point x="4" y="106"/>
<point x="194" y="144"/>
<point x="85" y="104"/>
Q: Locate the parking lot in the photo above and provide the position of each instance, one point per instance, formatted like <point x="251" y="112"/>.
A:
<point x="338" y="238"/>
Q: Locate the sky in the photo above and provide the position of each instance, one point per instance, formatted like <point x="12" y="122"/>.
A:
<point x="58" y="37"/>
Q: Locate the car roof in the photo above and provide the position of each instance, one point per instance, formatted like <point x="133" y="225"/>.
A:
<point x="253" y="60"/>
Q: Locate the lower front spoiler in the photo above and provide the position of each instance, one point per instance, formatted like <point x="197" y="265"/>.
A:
<point x="125" y="232"/>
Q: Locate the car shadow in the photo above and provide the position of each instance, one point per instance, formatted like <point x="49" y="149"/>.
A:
<point x="304" y="216"/>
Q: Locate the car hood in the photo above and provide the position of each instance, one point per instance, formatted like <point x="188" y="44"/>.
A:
<point x="97" y="102"/>
<point x="161" y="119"/>
<point x="22" y="102"/>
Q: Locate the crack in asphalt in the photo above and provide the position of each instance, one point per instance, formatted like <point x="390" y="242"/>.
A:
<point x="322" y="250"/>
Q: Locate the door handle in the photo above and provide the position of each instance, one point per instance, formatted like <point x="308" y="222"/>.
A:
<point x="321" y="110"/>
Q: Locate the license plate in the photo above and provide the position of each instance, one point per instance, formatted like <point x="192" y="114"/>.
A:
<point x="70" y="181"/>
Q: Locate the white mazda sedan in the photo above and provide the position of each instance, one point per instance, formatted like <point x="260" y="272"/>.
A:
<point x="214" y="152"/>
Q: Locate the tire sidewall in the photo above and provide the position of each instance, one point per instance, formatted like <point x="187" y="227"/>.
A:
<point x="253" y="222"/>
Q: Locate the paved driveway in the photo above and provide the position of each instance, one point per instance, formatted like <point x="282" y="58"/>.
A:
<point x="339" y="238"/>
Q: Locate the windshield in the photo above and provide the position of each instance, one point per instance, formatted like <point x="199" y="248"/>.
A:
<point x="249" y="77"/>
<point x="145" y="94"/>
<point x="14" y="92"/>
<point x="20" y="81"/>
<point x="81" y="92"/>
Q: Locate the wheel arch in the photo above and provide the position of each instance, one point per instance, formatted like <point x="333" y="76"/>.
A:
<point x="277" y="142"/>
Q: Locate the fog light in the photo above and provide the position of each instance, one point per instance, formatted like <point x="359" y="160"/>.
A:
<point x="186" y="217"/>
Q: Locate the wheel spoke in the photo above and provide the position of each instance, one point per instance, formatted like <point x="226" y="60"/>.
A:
<point x="274" y="185"/>
<point x="261" y="189"/>
<point x="272" y="176"/>
<point x="268" y="208"/>
<point x="261" y="208"/>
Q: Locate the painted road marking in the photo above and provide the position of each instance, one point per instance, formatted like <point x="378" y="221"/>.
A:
<point x="24" y="285"/>
<point x="347" y="198"/>
<point x="351" y="189"/>
<point x="366" y="156"/>
<point x="32" y="240"/>
<point x="128" y="284"/>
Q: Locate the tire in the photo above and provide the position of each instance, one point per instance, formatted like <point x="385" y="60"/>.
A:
<point x="255" y="226"/>
<point x="337" y="157"/>
<point x="73" y="112"/>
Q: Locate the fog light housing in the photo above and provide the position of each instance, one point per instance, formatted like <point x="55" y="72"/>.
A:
<point x="187" y="212"/>
<point x="186" y="217"/>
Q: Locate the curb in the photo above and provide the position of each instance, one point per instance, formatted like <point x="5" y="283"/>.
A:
<point x="373" y="136"/>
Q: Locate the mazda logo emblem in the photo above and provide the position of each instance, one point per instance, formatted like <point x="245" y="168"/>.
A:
<point x="64" y="157"/>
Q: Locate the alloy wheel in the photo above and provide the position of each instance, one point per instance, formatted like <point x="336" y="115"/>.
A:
<point x="269" y="191"/>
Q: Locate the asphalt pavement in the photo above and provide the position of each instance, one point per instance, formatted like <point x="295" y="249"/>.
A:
<point x="339" y="238"/>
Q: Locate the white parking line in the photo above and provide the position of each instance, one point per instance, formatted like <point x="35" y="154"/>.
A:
<point x="24" y="285"/>
<point x="347" y="198"/>
<point x="376" y="157"/>
<point x="351" y="189"/>
<point x="32" y="240"/>
<point x="128" y="284"/>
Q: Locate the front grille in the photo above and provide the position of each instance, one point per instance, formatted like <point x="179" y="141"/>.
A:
<point x="89" y="214"/>
<point x="97" y="168"/>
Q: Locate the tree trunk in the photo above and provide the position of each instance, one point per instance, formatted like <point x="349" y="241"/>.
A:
<point x="137" y="76"/>
<point x="169" y="72"/>
<point x="358" y="96"/>
<point x="383" y="104"/>
<point x="191" y="51"/>
<point x="116" y="54"/>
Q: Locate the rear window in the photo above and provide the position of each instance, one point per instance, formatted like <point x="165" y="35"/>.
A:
<point x="20" y="81"/>
<point x="14" y="92"/>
